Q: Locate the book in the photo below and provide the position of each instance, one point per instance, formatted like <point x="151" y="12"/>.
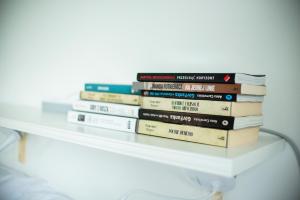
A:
<point x="111" y="88"/>
<point x="106" y="108"/>
<point x="203" y="120"/>
<point x="203" y="78"/>
<point x="202" y="96"/>
<point x="210" y="136"/>
<point x="202" y="87"/>
<point x="129" y="99"/>
<point x="104" y="121"/>
<point x="235" y="109"/>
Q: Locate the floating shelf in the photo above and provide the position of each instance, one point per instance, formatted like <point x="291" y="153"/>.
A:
<point x="208" y="159"/>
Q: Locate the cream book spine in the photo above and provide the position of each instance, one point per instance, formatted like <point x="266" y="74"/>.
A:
<point x="210" y="136"/>
<point x="236" y="109"/>
<point x="110" y="97"/>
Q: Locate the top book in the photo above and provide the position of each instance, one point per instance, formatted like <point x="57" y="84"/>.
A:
<point x="230" y="78"/>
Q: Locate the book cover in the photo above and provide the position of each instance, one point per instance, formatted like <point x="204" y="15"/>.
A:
<point x="224" y="108"/>
<point x="201" y="87"/>
<point x="111" y="88"/>
<point x="210" y="136"/>
<point x="110" y="97"/>
<point x="202" y="78"/>
<point x="201" y="96"/>
<point x="103" y="121"/>
<point x="202" y="120"/>
<point x="106" y="108"/>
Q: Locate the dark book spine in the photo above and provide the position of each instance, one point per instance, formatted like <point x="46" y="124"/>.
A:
<point x="190" y="95"/>
<point x="187" y="77"/>
<point x="189" y="87"/>
<point x="209" y="121"/>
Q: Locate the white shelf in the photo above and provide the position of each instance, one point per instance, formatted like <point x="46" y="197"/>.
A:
<point x="204" y="158"/>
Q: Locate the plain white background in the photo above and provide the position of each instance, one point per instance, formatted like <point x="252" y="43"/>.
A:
<point x="51" y="48"/>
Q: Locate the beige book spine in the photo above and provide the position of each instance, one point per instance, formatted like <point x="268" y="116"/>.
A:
<point x="186" y="105"/>
<point x="110" y="97"/>
<point x="209" y="136"/>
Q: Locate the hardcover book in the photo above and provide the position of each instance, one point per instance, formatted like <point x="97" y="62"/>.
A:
<point x="110" y="97"/>
<point x="203" y="78"/>
<point x="106" y="108"/>
<point x="210" y="136"/>
<point x="201" y="87"/>
<point x="103" y="121"/>
<point x="236" y="109"/>
<point x="202" y="96"/>
<point x="112" y="88"/>
<point x="209" y="121"/>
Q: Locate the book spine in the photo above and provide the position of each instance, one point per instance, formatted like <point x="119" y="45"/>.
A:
<point x="110" y="97"/>
<point x="107" y="108"/>
<point x="98" y="87"/>
<point x="190" y="95"/>
<point x="186" y="105"/>
<point x="183" y="132"/>
<point x="210" y="121"/>
<point x="189" y="87"/>
<point x="103" y="121"/>
<point x="187" y="77"/>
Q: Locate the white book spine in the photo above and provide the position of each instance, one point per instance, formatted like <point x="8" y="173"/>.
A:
<point x="103" y="121"/>
<point x="107" y="108"/>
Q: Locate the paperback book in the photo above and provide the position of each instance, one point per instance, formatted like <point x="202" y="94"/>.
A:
<point x="111" y="88"/>
<point x="216" y="137"/>
<point x="106" y="108"/>
<point x="203" y="78"/>
<point x="202" y="87"/>
<point x="202" y="120"/>
<point x="236" y="109"/>
<point x="129" y="99"/>
<point x="202" y="96"/>
<point x="104" y="121"/>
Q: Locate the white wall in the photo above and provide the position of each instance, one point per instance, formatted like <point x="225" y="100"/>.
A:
<point x="50" y="48"/>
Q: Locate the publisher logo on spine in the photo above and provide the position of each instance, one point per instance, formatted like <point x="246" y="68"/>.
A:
<point x="225" y="122"/>
<point x="81" y="118"/>
<point x="226" y="78"/>
<point x="228" y="97"/>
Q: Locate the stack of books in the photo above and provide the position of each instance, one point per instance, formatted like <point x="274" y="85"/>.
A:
<point x="210" y="108"/>
<point x="106" y="106"/>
